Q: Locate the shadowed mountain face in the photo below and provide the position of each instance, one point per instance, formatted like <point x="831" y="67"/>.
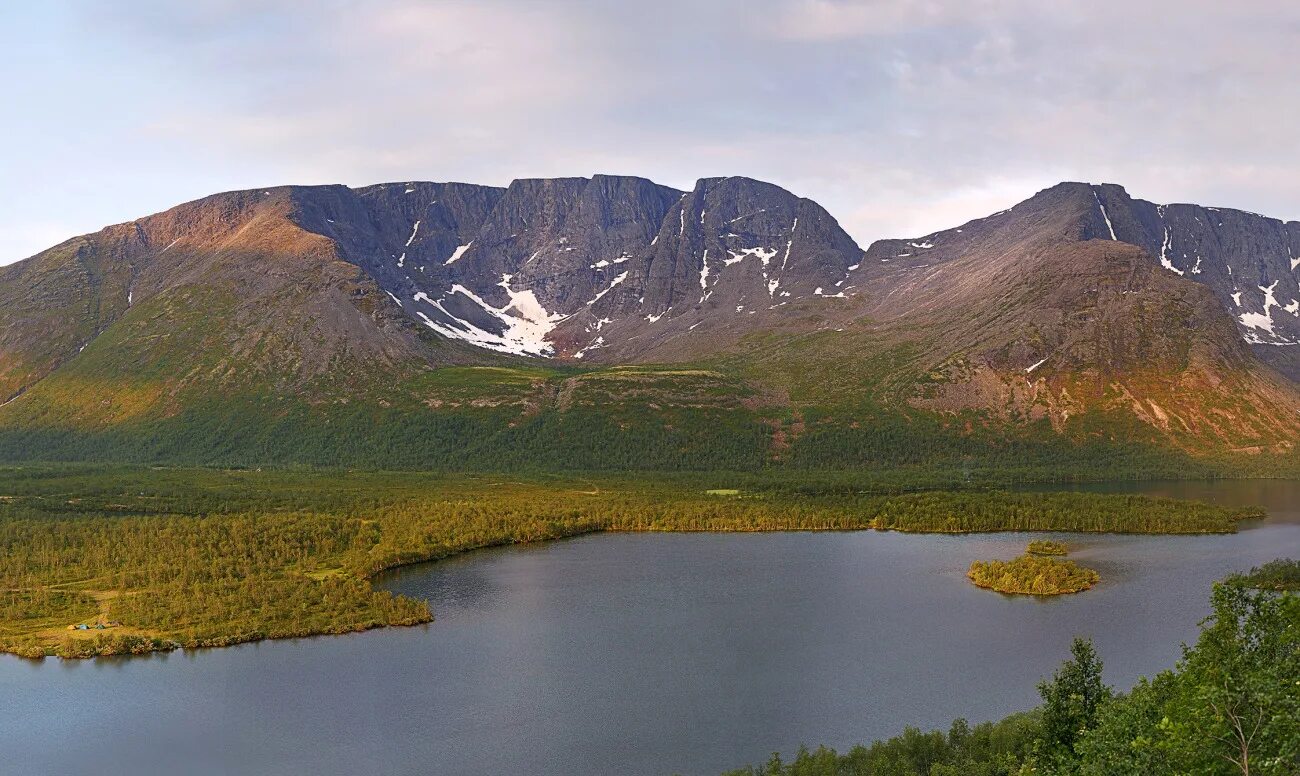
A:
<point x="1078" y="304"/>
<point x="573" y="266"/>
<point x="1248" y="260"/>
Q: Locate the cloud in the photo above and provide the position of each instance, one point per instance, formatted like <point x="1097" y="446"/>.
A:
<point x="900" y="117"/>
<point x="824" y="20"/>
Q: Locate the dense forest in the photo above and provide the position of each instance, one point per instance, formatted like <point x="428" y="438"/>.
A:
<point x="688" y="425"/>
<point x="1231" y="706"/>
<point x="162" y="558"/>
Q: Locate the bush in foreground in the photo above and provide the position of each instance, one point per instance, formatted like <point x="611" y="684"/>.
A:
<point x="1280" y="574"/>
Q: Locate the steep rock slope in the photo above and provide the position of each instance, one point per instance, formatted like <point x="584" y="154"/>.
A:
<point x="729" y="256"/>
<point x="222" y="294"/>
<point x="1248" y="260"/>
<point x="501" y="269"/>
<point x="1036" y="312"/>
<point x="607" y="268"/>
<point x="56" y="302"/>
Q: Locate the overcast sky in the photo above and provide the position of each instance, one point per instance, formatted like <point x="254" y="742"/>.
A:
<point x="899" y="117"/>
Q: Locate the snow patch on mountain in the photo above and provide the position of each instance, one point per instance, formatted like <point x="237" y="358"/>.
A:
<point x="1264" y="321"/>
<point x="765" y="255"/>
<point x="606" y="262"/>
<point x="790" y="244"/>
<point x="525" y="323"/>
<point x="1104" y="214"/>
<point x="1165" y="261"/>
<point x="460" y="251"/>
<point x="611" y="286"/>
<point x="599" y="342"/>
<point x="1257" y="321"/>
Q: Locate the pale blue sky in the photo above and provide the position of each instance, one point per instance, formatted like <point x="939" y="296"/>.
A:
<point x="900" y="117"/>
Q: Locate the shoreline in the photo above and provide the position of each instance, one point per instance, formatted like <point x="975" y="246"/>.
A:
<point x="196" y="559"/>
<point x="168" y="645"/>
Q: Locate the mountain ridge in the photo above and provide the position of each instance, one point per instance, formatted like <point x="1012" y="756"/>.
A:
<point x="1053" y="311"/>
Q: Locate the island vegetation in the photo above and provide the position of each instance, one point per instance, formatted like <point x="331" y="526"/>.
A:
<point x="159" y="558"/>
<point x="1046" y="547"/>
<point x="1229" y="707"/>
<point x="1280" y="574"/>
<point x="1039" y="571"/>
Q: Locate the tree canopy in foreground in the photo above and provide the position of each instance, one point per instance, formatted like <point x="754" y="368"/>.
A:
<point x="1230" y="707"/>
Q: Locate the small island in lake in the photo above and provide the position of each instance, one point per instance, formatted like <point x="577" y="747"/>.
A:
<point x="1040" y="571"/>
<point x="1046" y="547"/>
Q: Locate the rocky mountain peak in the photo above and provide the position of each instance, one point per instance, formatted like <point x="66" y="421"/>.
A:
<point x="569" y="266"/>
<point x="1249" y="261"/>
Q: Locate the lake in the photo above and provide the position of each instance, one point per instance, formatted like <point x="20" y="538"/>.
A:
<point x="641" y="654"/>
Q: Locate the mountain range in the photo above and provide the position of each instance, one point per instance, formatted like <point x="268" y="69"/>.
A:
<point x="613" y="322"/>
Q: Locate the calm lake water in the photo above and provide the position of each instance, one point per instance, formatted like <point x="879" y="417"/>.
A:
<point x="639" y="654"/>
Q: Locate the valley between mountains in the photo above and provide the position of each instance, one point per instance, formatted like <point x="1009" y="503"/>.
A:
<point x="614" y="323"/>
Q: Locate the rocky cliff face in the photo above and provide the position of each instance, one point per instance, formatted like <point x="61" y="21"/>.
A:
<point x="1250" y="262"/>
<point x="1058" y="306"/>
<point x="728" y="256"/>
<point x="574" y="266"/>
